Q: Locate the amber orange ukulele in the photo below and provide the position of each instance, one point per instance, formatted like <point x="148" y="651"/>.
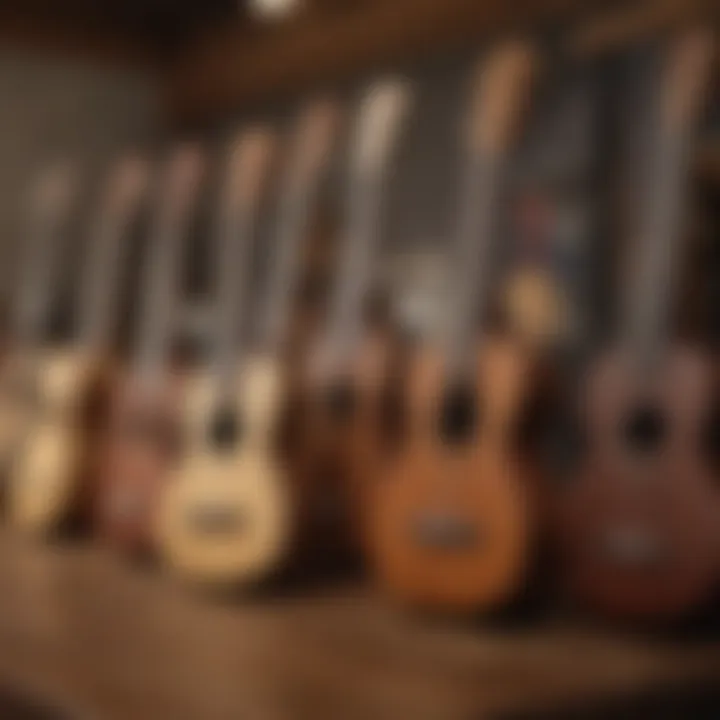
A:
<point x="453" y="523"/>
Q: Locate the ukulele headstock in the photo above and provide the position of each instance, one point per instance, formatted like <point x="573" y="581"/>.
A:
<point x="249" y="161"/>
<point x="128" y="182"/>
<point x="380" y="114"/>
<point x="501" y="89"/>
<point x="314" y="138"/>
<point x="689" y="64"/>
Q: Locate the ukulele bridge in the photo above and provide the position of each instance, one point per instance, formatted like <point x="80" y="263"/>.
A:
<point x="633" y="548"/>
<point x="216" y="519"/>
<point x="446" y="533"/>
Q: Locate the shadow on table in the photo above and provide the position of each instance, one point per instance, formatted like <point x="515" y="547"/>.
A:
<point x="698" y="701"/>
<point x="21" y="706"/>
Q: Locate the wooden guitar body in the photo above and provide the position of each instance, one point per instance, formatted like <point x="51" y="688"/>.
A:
<point x="454" y="520"/>
<point x="18" y="403"/>
<point x="144" y="440"/>
<point x="225" y="517"/>
<point x="334" y="442"/>
<point x="52" y="471"/>
<point x="639" y="527"/>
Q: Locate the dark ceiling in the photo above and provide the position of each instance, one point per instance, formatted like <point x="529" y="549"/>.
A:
<point x="163" y="23"/>
<point x="158" y="21"/>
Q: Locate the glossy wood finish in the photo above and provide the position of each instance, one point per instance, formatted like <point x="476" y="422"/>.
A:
<point x="334" y="453"/>
<point x="666" y="501"/>
<point x="484" y="486"/>
<point x="144" y="438"/>
<point x="51" y="478"/>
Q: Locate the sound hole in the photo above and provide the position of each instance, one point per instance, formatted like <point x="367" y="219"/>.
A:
<point x="341" y="401"/>
<point x="225" y="429"/>
<point x="459" y="414"/>
<point x="645" y="429"/>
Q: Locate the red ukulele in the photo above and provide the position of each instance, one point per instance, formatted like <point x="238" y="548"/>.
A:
<point x="639" y="527"/>
<point x="144" y="432"/>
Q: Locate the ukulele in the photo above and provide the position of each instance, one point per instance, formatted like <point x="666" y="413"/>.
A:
<point x="453" y="519"/>
<point x="638" y="527"/>
<point x="21" y="370"/>
<point x="143" y="434"/>
<point x="58" y="454"/>
<point x="332" y="430"/>
<point x="226" y="517"/>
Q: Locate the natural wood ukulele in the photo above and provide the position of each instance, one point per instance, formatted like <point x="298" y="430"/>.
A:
<point x="144" y="435"/>
<point x="52" y="471"/>
<point x="453" y="521"/>
<point x="639" y="526"/>
<point x="226" y="517"/>
<point x="21" y="372"/>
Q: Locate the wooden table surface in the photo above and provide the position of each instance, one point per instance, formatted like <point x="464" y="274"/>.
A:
<point x="85" y="630"/>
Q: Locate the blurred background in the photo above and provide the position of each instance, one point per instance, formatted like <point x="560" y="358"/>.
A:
<point x="85" y="635"/>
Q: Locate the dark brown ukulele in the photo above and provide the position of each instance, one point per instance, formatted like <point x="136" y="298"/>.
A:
<point x="454" y="523"/>
<point x="144" y="427"/>
<point x="336" y="394"/>
<point x="639" y="526"/>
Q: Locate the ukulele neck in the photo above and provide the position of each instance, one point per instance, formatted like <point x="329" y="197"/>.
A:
<point x="482" y="190"/>
<point x="683" y="81"/>
<point x="42" y="259"/>
<point x="99" y="291"/>
<point x="233" y="260"/>
<point x="161" y="280"/>
<point x="499" y="93"/>
<point x="356" y="264"/>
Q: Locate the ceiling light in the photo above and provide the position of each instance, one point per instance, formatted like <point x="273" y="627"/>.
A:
<point x="272" y="9"/>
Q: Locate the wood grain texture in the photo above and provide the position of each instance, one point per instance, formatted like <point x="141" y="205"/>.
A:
<point x="51" y="475"/>
<point x="144" y="439"/>
<point x="668" y="499"/>
<point x="485" y="484"/>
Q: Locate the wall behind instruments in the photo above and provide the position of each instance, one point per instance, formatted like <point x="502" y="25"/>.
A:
<point x="419" y="213"/>
<point x="53" y="106"/>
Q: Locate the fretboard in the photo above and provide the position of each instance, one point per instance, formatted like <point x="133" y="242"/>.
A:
<point x="41" y="263"/>
<point x="99" y="292"/>
<point x="683" y="80"/>
<point x="356" y="264"/>
<point x="161" y="277"/>
<point x="497" y="99"/>
<point x="477" y="231"/>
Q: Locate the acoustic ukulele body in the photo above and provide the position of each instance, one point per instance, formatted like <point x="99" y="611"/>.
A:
<point x="51" y="477"/>
<point x="225" y="519"/>
<point x="638" y="528"/>
<point x="454" y="523"/>
<point x="144" y="440"/>
<point x="334" y="440"/>
<point x="19" y="397"/>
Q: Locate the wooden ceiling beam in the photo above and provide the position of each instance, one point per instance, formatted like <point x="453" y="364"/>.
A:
<point x="229" y="69"/>
<point x="223" y="71"/>
<point x="103" y="46"/>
